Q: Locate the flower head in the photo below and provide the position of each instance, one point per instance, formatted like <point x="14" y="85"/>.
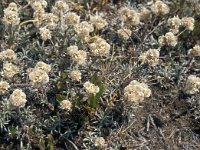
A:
<point x="45" y="33"/>
<point x="66" y="104"/>
<point x="192" y="84"/>
<point x="124" y="33"/>
<point x="11" y="15"/>
<point x="98" y="22"/>
<point x="9" y="70"/>
<point x="91" y="88"/>
<point x="38" y="76"/>
<point x="8" y="54"/>
<point x="71" y="18"/>
<point x="151" y="57"/>
<point x="51" y="20"/>
<point x="174" y="23"/>
<point x="129" y="16"/>
<point x="145" y="14"/>
<point x="195" y="51"/>
<point x="136" y="91"/>
<point x="99" y="142"/>
<point x="75" y="75"/>
<point x="84" y="28"/>
<point x="100" y="47"/>
<point x="4" y="86"/>
<point x="18" y="98"/>
<point x="168" y="39"/>
<point x="160" y="8"/>
<point x="188" y="23"/>
<point x="43" y="66"/>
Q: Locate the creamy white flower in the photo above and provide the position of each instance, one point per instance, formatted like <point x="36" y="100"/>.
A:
<point x="8" y="54"/>
<point x="78" y="56"/>
<point x="99" y="142"/>
<point x="71" y="18"/>
<point x="195" y="51"/>
<point x="174" y="23"/>
<point x="39" y="17"/>
<point x="100" y="47"/>
<point x="75" y="75"/>
<point x="45" y="33"/>
<point x="4" y="86"/>
<point x="98" y="22"/>
<point x="124" y="33"/>
<point x="13" y="7"/>
<point x="9" y="70"/>
<point x="66" y="104"/>
<point x="51" y="20"/>
<point x="168" y="39"/>
<point x="43" y="66"/>
<point x="160" y="8"/>
<point x="150" y="57"/>
<point x="84" y="28"/>
<point x="91" y="88"/>
<point x="37" y="6"/>
<point x="61" y="5"/>
<point x="38" y="76"/>
<point x="18" y="98"/>
<point x="145" y="14"/>
<point x="129" y="16"/>
<point x="10" y="17"/>
<point x="188" y="23"/>
<point x="72" y="49"/>
<point x="192" y="84"/>
<point x="136" y="91"/>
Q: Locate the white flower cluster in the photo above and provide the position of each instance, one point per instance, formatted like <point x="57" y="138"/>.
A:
<point x="168" y="39"/>
<point x="4" y="86"/>
<point x="100" y="47"/>
<point x="150" y="57"/>
<point x="145" y="14"/>
<point x="38" y="7"/>
<point x="71" y="18"/>
<point x="136" y="91"/>
<point x="78" y="56"/>
<point x="174" y="23"/>
<point x="9" y="70"/>
<point x="100" y="142"/>
<point x="83" y="29"/>
<point x="66" y="105"/>
<point x="91" y="88"/>
<point x="98" y="22"/>
<point x="124" y="33"/>
<point x="45" y="33"/>
<point x="50" y="20"/>
<point x="43" y="66"/>
<point x="18" y="98"/>
<point x="160" y="8"/>
<point x="39" y="74"/>
<point x="75" y="75"/>
<point x="188" y="23"/>
<point x="11" y="15"/>
<point x="8" y="54"/>
<point x="129" y="16"/>
<point x="192" y="84"/>
<point x="195" y="51"/>
<point x="60" y="6"/>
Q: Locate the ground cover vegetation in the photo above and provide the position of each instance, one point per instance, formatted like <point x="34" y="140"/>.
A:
<point x="99" y="74"/>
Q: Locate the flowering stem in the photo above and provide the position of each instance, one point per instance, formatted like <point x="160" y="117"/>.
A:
<point x="181" y="32"/>
<point x="28" y="21"/>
